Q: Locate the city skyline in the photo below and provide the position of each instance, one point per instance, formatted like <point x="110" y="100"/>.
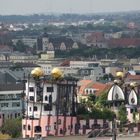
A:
<point x="24" y="7"/>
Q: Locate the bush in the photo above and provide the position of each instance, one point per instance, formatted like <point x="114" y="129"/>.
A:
<point x="12" y="127"/>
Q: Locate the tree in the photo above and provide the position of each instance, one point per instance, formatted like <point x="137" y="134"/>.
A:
<point x="92" y="98"/>
<point x="13" y="127"/>
<point x="107" y="114"/>
<point x="20" y="46"/>
<point x="101" y="100"/>
<point x="122" y="114"/>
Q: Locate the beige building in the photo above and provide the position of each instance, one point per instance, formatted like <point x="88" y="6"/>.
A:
<point x="48" y="55"/>
<point x="107" y="62"/>
<point x="24" y="58"/>
<point x="83" y="64"/>
<point x="136" y="67"/>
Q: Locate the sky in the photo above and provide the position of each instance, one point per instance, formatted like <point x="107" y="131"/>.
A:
<point x="25" y="7"/>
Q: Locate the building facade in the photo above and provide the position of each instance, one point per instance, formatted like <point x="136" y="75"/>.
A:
<point x="50" y="108"/>
<point x="10" y="101"/>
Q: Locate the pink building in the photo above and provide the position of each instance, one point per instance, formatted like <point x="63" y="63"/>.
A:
<point x="50" y="109"/>
<point x="49" y="125"/>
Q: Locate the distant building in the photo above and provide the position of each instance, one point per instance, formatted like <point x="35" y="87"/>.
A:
<point x="96" y="39"/>
<point x="52" y="43"/>
<point x="22" y="58"/>
<point x="10" y="101"/>
<point x="124" y="42"/>
<point x="31" y="42"/>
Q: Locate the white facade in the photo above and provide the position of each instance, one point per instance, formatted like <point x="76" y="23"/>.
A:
<point x="34" y="107"/>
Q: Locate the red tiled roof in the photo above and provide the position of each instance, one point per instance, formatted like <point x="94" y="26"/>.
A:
<point x="133" y="77"/>
<point x="65" y="63"/>
<point x="100" y="87"/>
<point x="124" y="42"/>
<point x="82" y="85"/>
<point x="95" y="37"/>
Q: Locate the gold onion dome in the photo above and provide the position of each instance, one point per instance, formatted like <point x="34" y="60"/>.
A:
<point x="56" y="73"/>
<point x="120" y="74"/>
<point x="37" y="72"/>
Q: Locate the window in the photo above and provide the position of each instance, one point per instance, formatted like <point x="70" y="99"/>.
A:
<point x="15" y="115"/>
<point x="29" y="127"/>
<point x="37" y="129"/>
<point x="16" y="104"/>
<point x="4" y="104"/>
<point x="31" y="98"/>
<point x="24" y="127"/>
<point x="35" y="108"/>
<point x="59" y="121"/>
<point x="46" y="98"/>
<point x="30" y="109"/>
<point x="49" y="89"/>
<point x="47" y="107"/>
<point x="50" y="99"/>
<point x="90" y="91"/>
<point x="69" y="127"/>
<point x="48" y="127"/>
<point x="31" y="89"/>
<point x="61" y="131"/>
<point x="86" y="91"/>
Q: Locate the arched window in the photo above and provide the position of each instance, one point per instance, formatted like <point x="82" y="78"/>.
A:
<point x="29" y="127"/>
<point x="86" y="91"/>
<point x="46" y="98"/>
<point x="90" y="91"/>
<point x="50" y="99"/>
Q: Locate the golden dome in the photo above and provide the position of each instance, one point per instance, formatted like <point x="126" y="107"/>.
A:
<point x="56" y="73"/>
<point x="37" y="72"/>
<point x="120" y="74"/>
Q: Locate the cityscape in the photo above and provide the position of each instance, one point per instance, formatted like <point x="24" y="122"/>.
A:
<point x="70" y="73"/>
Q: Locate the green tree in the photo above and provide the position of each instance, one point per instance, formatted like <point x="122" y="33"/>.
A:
<point x="13" y="127"/>
<point x="92" y="98"/>
<point x="20" y="46"/>
<point x="122" y="114"/>
<point x="107" y="114"/>
<point x="102" y="98"/>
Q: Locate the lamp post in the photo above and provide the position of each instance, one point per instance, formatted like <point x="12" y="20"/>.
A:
<point x="116" y="95"/>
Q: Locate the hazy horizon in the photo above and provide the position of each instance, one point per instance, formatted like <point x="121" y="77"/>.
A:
<point x="28" y="7"/>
